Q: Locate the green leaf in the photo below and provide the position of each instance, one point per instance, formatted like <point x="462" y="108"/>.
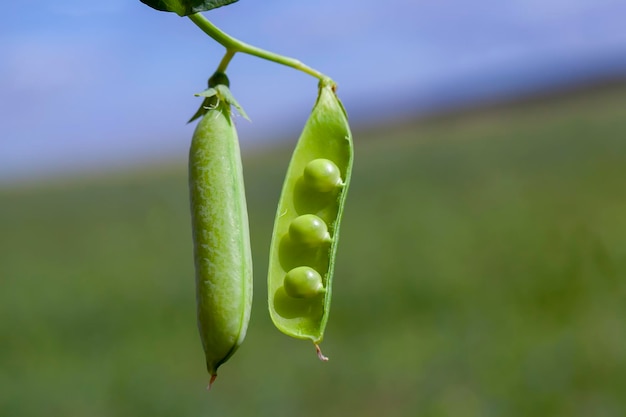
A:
<point x="218" y="91"/>
<point x="224" y="93"/>
<point x="209" y="92"/>
<point x="186" y="7"/>
<point x="209" y="101"/>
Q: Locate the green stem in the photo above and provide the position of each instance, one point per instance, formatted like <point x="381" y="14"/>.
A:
<point x="233" y="46"/>
<point x="230" y="53"/>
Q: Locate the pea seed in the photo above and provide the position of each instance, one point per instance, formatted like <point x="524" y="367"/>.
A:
<point x="292" y="308"/>
<point x="309" y="230"/>
<point x="322" y="175"/>
<point x="303" y="282"/>
<point x="306" y="229"/>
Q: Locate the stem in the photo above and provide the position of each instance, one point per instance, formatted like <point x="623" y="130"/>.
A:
<point x="230" y="53"/>
<point x="233" y="46"/>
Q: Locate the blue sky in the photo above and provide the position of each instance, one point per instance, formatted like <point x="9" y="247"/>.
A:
<point x="91" y="85"/>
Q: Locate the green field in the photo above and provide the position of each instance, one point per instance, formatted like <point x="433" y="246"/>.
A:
<point x="481" y="272"/>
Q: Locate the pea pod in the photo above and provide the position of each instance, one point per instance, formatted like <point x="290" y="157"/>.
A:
<point x="306" y="229"/>
<point x="220" y="228"/>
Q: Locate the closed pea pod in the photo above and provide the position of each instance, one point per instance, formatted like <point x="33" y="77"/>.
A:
<point x="306" y="229"/>
<point x="221" y="239"/>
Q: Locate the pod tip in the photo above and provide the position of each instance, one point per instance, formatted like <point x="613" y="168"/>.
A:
<point x="320" y="355"/>
<point x="211" y="381"/>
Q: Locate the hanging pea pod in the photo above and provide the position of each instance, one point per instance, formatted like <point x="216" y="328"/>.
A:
<point x="220" y="228"/>
<point x="306" y="229"/>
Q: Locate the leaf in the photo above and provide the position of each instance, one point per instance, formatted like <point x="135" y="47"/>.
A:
<point x="224" y="93"/>
<point x="209" y="92"/>
<point x="208" y="101"/>
<point x="186" y="7"/>
<point x="218" y="91"/>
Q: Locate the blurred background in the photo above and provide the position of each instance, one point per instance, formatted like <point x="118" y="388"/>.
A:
<point x="483" y="253"/>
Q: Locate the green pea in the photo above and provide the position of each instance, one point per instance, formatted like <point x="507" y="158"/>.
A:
<point x="303" y="282"/>
<point x="306" y="229"/>
<point x="309" y="230"/>
<point x="322" y="175"/>
<point x="221" y="239"/>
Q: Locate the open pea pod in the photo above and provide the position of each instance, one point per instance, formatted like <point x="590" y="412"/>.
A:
<point x="306" y="229"/>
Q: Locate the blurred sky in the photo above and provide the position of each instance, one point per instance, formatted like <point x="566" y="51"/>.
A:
<point x="95" y="84"/>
